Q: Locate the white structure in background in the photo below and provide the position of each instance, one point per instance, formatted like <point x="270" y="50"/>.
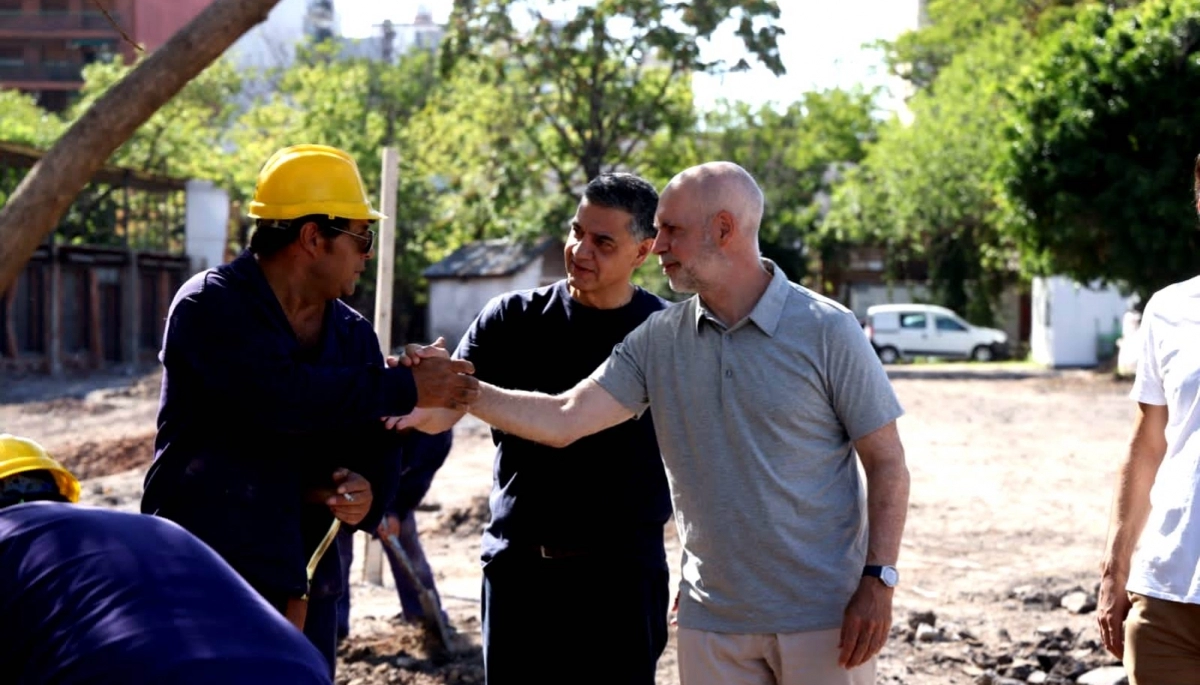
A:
<point x="396" y="39"/>
<point x="1075" y="325"/>
<point x="272" y="44"/>
<point x="206" y="225"/>
<point x="462" y="283"/>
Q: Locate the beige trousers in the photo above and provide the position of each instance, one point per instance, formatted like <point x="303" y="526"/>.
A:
<point x="1162" y="642"/>
<point x="808" y="658"/>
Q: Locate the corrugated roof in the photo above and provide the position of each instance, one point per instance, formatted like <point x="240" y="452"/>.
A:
<point x="488" y="258"/>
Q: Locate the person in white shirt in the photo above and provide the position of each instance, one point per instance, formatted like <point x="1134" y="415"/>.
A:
<point x="1149" y="605"/>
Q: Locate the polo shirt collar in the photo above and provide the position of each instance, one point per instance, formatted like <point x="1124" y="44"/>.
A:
<point x="767" y="311"/>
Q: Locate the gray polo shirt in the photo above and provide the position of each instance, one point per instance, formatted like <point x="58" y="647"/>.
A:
<point x="755" y="423"/>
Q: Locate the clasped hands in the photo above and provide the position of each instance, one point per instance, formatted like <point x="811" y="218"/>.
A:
<point x="442" y="382"/>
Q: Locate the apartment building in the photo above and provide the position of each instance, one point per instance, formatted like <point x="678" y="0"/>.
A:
<point x="44" y="44"/>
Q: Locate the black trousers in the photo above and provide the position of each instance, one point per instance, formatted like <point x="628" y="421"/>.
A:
<point x="583" y="619"/>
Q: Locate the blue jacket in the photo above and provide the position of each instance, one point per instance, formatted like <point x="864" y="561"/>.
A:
<point x="249" y="423"/>
<point x="98" y="597"/>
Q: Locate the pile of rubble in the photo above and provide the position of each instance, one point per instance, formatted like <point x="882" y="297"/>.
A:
<point x="1050" y="655"/>
<point x="401" y="655"/>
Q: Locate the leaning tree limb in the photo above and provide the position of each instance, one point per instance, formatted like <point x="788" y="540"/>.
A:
<point x="38" y="203"/>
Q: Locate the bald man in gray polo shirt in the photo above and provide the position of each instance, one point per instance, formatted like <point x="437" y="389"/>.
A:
<point x="763" y="393"/>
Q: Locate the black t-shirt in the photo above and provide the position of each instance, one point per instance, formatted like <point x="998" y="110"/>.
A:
<point x="608" y="490"/>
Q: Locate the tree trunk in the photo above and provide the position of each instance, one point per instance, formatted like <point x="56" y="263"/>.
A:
<point x="38" y="203"/>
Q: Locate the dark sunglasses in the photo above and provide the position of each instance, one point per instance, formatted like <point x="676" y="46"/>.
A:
<point x="368" y="240"/>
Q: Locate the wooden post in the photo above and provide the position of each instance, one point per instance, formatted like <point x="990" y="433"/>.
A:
<point x="54" y="328"/>
<point x="95" y="325"/>
<point x="10" y="324"/>
<point x="385" y="253"/>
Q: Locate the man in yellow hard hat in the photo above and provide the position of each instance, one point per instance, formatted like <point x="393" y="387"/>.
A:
<point x="272" y="391"/>
<point x="96" y="597"/>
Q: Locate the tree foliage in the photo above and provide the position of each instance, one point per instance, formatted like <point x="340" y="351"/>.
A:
<point x="796" y="155"/>
<point x="1102" y="138"/>
<point x="926" y="190"/>
<point x="595" y="89"/>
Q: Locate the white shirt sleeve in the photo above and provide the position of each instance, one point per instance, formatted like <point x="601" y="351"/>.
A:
<point x="1148" y="383"/>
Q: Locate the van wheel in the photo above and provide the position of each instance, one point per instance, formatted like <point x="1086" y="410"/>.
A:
<point x="983" y="353"/>
<point x="889" y="355"/>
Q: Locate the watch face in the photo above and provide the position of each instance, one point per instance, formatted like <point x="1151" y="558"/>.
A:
<point x="890" y="576"/>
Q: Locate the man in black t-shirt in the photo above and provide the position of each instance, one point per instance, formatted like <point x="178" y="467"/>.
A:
<point x="575" y="572"/>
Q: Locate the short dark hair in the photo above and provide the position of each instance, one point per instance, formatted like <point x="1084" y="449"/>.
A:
<point x="271" y="235"/>
<point x="38" y="485"/>
<point x="629" y="193"/>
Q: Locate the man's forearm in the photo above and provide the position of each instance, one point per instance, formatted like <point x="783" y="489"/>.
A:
<point x="533" y="416"/>
<point x="434" y="421"/>
<point x="1131" y="496"/>
<point x="1130" y="509"/>
<point x="887" y="509"/>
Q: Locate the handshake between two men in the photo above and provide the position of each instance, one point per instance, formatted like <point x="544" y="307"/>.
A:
<point x="442" y="382"/>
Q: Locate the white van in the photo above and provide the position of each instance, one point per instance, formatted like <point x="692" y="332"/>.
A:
<point x="898" y="331"/>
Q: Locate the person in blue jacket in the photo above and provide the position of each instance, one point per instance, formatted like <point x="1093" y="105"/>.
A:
<point x="93" y="596"/>
<point x="423" y="455"/>
<point x="273" y="389"/>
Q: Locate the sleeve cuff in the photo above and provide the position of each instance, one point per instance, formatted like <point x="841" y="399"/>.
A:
<point x="399" y="392"/>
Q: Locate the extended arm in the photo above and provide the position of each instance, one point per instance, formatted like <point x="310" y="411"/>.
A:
<point x="236" y="359"/>
<point x="554" y="420"/>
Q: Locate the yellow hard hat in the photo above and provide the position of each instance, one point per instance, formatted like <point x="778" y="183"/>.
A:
<point x="19" y="455"/>
<point x="311" y="179"/>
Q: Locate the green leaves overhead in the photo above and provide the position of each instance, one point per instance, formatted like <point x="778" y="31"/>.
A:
<point x="601" y="84"/>
<point x="1102" y="138"/>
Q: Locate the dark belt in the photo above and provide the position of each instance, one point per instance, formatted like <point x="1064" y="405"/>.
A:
<point x="631" y="544"/>
<point x="557" y="551"/>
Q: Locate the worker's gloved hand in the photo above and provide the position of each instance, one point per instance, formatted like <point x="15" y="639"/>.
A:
<point x="675" y="610"/>
<point x="352" y="497"/>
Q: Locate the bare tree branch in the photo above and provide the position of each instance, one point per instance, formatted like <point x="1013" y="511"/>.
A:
<point x="117" y="26"/>
<point x="38" y="203"/>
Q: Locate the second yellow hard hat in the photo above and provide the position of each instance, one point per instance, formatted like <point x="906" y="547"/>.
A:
<point x="21" y="455"/>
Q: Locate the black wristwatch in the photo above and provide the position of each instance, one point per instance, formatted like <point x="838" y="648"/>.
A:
<point x="888" y="575"/>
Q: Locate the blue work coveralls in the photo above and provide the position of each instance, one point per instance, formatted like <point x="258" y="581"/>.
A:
<point x="93" y="596"/>
<point x="249" y="424"/>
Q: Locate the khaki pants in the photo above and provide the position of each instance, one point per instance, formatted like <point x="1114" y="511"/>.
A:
<point x="1162" y="642"/>
<point x="808" y="658"/>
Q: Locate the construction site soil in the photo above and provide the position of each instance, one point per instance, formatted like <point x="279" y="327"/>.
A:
<point x="1011" y="479"/>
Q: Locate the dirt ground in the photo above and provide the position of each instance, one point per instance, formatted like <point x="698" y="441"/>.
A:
<point x="1011" y="480"/>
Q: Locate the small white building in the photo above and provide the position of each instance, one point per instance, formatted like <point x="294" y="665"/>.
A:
<point x="1075" y="325"/>
<point x="462" y="283"/>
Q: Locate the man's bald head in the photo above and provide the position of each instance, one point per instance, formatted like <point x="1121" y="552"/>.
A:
<point x="723" y="186"/>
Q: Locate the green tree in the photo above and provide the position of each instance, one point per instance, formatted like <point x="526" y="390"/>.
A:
<point x="796" y="155"/>
<point x="926" y="190"/>
<point x="23" y="122"/>
<point x="595" y="89"/>
<point x="955" y="26"/>
<point x="1101" y="142"/>
<point x="185" y="138"/>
